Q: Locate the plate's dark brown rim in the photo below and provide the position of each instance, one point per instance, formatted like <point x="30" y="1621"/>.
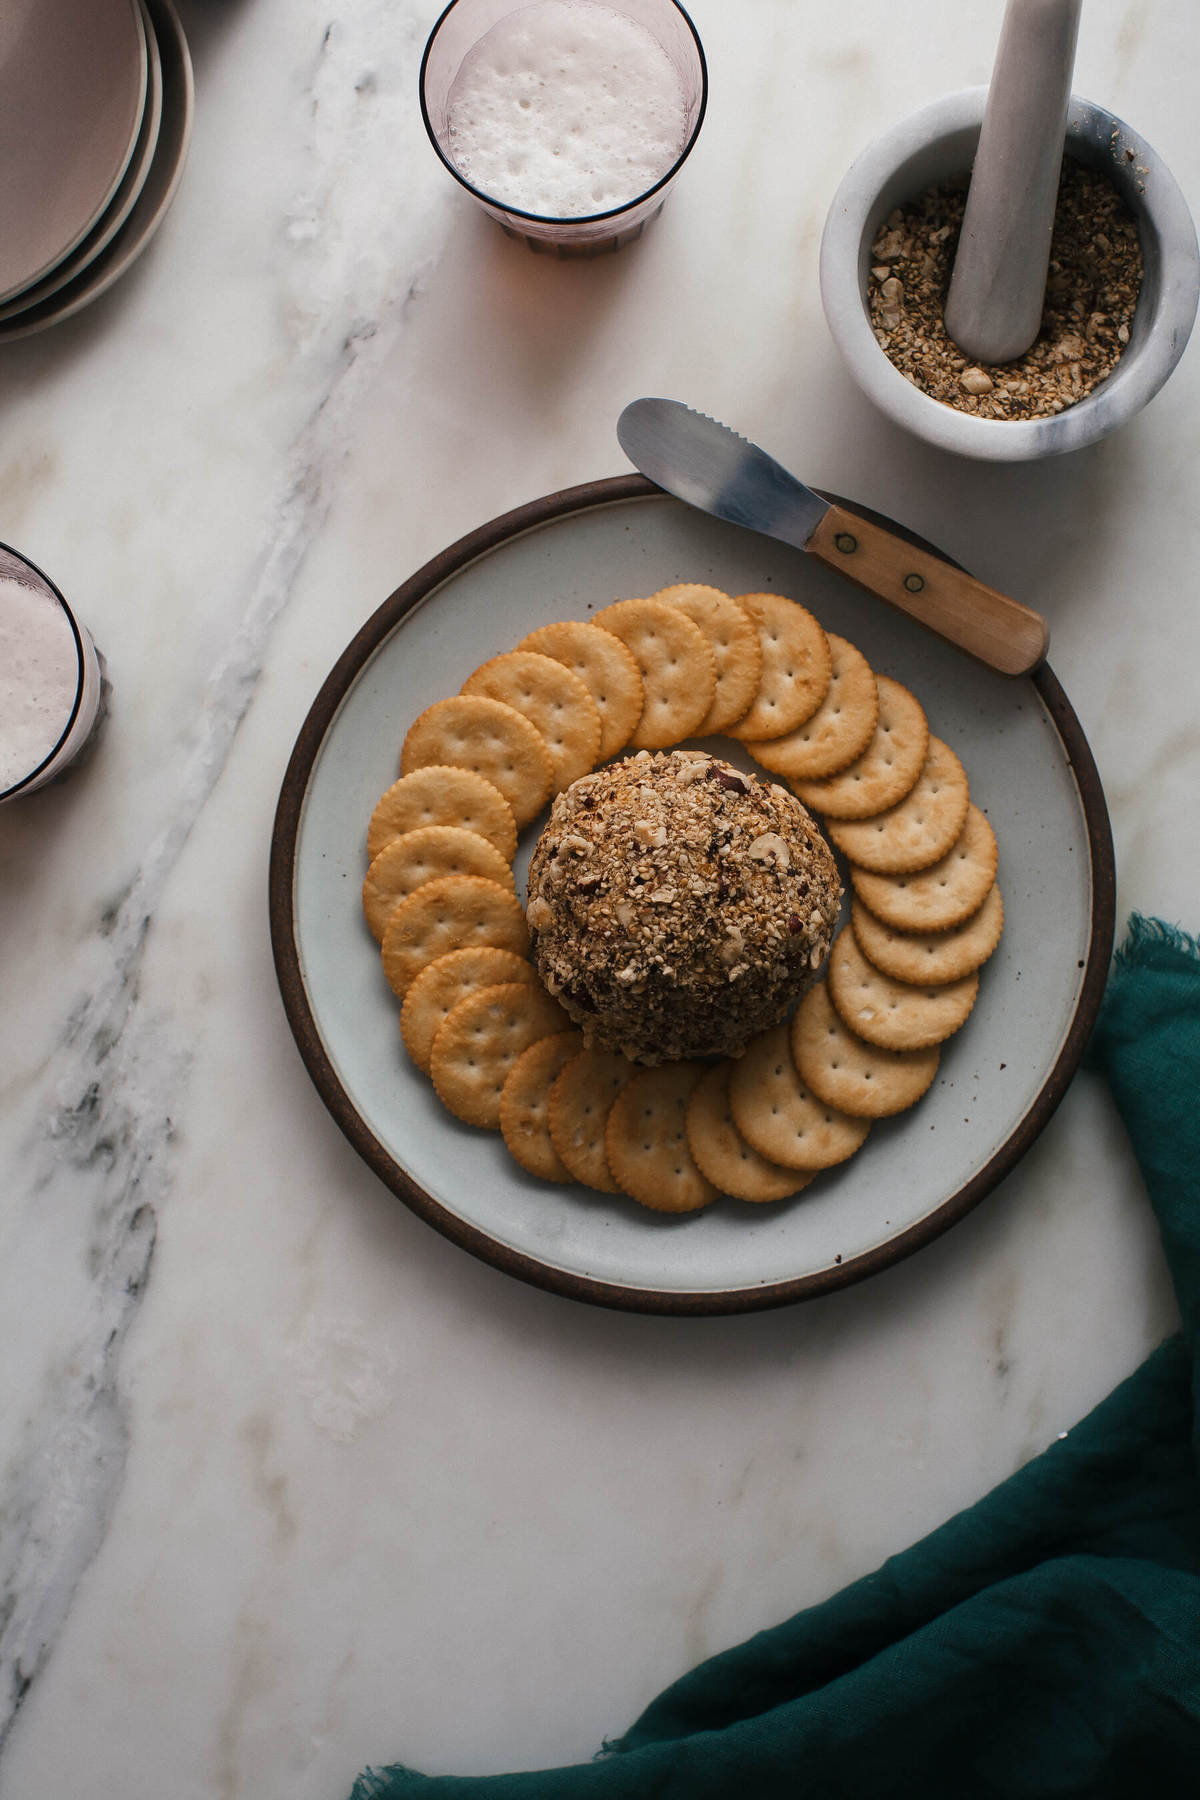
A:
<point x="581" y="1287"/>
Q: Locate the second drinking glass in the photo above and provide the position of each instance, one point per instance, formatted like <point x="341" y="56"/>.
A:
<point x="568" y="120"/>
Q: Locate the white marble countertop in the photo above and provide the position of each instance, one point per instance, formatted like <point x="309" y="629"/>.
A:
<point x="289" y="1483"/>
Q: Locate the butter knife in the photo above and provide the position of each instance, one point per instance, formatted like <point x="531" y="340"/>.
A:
<point x="712" y="468"/>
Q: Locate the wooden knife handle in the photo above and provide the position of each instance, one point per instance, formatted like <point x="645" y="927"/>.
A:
<point x="988" y="625"/>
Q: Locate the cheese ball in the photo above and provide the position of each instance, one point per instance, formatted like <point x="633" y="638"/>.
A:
<point x="677" y="907"/>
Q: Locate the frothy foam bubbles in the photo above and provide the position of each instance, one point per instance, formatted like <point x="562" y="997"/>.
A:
<point x="566" y="108"/>
<point x="39" y="678"/>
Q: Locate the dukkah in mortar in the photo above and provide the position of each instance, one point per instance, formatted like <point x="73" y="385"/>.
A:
<point x="1092" y="289"/>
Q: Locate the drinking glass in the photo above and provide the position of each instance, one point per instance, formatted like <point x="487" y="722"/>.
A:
<point x="70" y="727"/>
<point x="456" y="33"/>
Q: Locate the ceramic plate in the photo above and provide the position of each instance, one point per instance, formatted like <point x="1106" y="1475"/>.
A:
<point x="73" y="77"/>
<point x="122" y="202"/>
<point x="1000" y="1078"/>
<point x="154" y="197"/>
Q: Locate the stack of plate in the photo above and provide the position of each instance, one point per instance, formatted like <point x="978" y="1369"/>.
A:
<point x="95" y="116"/>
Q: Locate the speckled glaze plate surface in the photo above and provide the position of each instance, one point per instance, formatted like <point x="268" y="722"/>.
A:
<point x="1000" y="1078"/>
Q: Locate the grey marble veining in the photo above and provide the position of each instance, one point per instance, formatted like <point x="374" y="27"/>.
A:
<point x="102" y="1143"/>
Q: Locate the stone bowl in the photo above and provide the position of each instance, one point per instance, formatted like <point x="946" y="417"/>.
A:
<point x="937" y="145"/>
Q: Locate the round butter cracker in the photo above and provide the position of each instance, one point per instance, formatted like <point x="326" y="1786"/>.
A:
<point x="678" y="670"/>
<point x="471" y="731"/>
<point x="796" y="667"/>
<point x="918" y="830"/>
<point x="525" y="1104"/>
<point x="931" y="956"/>
<point x="441" y="795"/>
<point x="555" y="701"/>
<point x="607" y="668"/>
<point x="888" y="768"/>
<point x="735" y="645"/>
<point x="780" y="1117"/>
<point x="481" y="1038"/>
<point x="646" y="1142"/>
<point x="945" y="894"/>
<point x="440" y="986"/>
<point x="580" y="1102"/>
<point x="721" y="1152"/>
<point x="838" y="732"/>
<point x="894" y="1015"/>
<point x="407" y="862"/>
<point x="845" y="1071"/>
<point x="452" y="913"/>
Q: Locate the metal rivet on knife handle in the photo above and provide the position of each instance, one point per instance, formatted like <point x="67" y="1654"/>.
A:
<point x="998" y="630"/>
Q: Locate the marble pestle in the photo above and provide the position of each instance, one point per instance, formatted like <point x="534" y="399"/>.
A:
<point x="998" y="285"/>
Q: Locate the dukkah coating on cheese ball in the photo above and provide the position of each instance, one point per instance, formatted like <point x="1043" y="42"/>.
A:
<point x="677" y="906"/>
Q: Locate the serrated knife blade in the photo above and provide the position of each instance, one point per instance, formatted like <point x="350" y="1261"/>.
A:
<point x="704" y="463"/>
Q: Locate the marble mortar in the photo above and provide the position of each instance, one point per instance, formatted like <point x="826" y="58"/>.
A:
<point x="938" y="144"/>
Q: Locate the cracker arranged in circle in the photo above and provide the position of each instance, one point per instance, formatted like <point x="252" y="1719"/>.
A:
<point x="735" y="645"/>
<point x="894" y="1015"/>
<point x="472" y="732"/>
<point x="452" y="913"/>
<point x="721" y="1152"/>
<point x="943" y="895"/>
<point x="554" y="700"/>
<point x="607" y="668"/>
<point x="580" y="1102"/>
<point x="678" y="670"/>
<point x="888" y="768"/>
<point x="845" y="1071"/>
<point x="931" y="956"/>
<point x="796" y="667"/>
<point x="525" y="1104"/>
<point x="478" y="1042"/>
<point x="646" y="1143"/>
<point x="840" y="729"/>
<point x="440" y="986"/>
<point x="441" y="795"/>
<point x="918" y="830"/>
<point x="779" y="1115"/>
<point x="407" y="862"/>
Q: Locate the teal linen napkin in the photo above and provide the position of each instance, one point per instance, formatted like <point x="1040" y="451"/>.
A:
<point x="1046" y="1642"/>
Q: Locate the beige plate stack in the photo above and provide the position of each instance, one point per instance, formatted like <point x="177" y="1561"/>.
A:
<point x="78" y="206"/>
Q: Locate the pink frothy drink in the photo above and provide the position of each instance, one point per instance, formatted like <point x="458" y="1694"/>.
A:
<point x="567" y="119"/>
<point x="50" y="679"/>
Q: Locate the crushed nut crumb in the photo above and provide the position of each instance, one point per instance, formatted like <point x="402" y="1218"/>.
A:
<point x="696" y="915"/>
<point x="1092" y="288"/>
